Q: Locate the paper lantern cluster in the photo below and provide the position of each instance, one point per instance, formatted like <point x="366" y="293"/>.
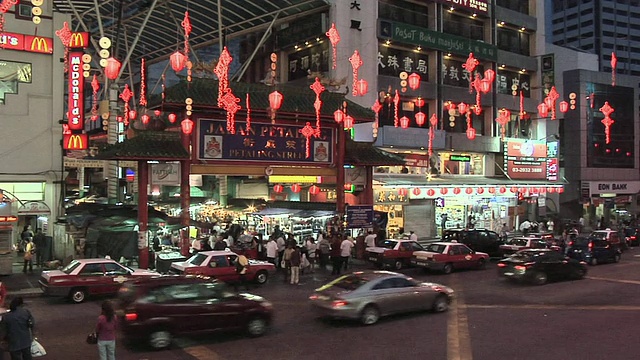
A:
<point x="479" y="190"/>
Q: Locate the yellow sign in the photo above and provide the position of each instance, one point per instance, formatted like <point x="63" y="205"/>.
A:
<point x="295" y="179"/>
<point x="39" y="44"/>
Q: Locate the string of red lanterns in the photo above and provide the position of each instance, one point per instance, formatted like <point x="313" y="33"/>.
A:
<point x="614" y="65"/>
<point x="307" y="131"/>
<point x="95" y="86"/>
<point x="317" y="104"/>
<point x="356" y="62"/>
<point x="143" y="83"/>
<point x="606" y="110"/>
<point x="480" y="190"/>
<point x="126" y="95"/>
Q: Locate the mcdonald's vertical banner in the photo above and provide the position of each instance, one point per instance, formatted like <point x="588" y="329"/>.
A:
<point x="75" y="141"/>
<point x="79" y="40"/>
<point x="76" y="91"/>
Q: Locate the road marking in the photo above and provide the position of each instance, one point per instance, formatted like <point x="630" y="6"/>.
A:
<point x="458" y="339"/>
<point x="201" y="353"/>
<point x="554" y="307"/>
<point x="635" y="282"/>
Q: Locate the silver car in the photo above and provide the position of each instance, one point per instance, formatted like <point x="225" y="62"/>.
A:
<point x="368" y="295"/>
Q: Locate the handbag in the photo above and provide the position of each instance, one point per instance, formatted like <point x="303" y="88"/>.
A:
<point x="28" y="256"/>
<point x="37" y="349"/>
<point x="92" y="338"/>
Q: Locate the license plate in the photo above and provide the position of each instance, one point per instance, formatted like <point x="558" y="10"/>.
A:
<point x="373" y="259"/>
<point x="421" y="263"/>
<point x="508" y="274"/>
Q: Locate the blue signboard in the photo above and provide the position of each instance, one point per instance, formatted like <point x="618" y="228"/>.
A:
<point x="271" y="143"/>
<point x="359" y="216"/>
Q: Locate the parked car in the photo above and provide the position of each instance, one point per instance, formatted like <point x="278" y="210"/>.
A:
<point x="593" y="250"/>
<point x="611" y="236"/>
<point x="221" y="265"/>
<point x="446" y="257"/>
<point x="154" y="311"/>
<point x="395" y="253"/>
<point x="367" y="296"/>
<point x="516" y="244"/>
<point x="482" y="240"/>
<point x="87" y="277"/>
<point x="632" y="236"/>
<point x="539" y="266"/>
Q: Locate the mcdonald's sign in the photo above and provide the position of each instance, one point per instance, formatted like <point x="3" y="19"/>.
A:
<point x="38" y="44"/>
<point x="79" y="40"/>
<point x="76" y="91"/>
<point x="75" y="141"/>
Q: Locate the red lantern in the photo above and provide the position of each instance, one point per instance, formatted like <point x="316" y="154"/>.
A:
<point x="275" y="100"/>
<point x="503" y="189"/>
<point x="542" y="190"/>
<point x="462" y="108"/>
<point x="492" y="190"/>
<point x="560" y="190"/>
<point x="338" y="116"/>
<point x="471" y="133"/>
<point x="549" y="102"/>
<point x="419" y="102"/>
<point x="468" y="190"/>
<point x="178" y="60"/>
<point x="444" y="191"/>
<point x="480" y="190"/>
<point x="564" y="106"/>
<point x="112" y="69"/>
<point x="414" y="81"/>
<point x="485" y="85"/>
<point x="490" y="75"/>
<point x="348" y="122"/>
<point x="543" y="110"/>
<point x="132" y="114"/>
<point x="120" y="119"/>
<point x="402" y="192"/>
<point x="416" y="191"/>
<point x="157" y="112"/>
<point x="433" y="120"/>
<point x="404" y="122"/>
<point x="278" y="188"/>
<point x="514" y="189"/>
<point x="420" y="118"/>
<point x="362" y="87"/>
<point x="456" y="190"/>
<point x="145" y="119"/>
<point x="431" y="192"/>
<point x="295" y="188"/>
<point x="523" y="190"/>
<point x="187" y="126"/>
<point x="314" y="190"/>
<point x="172" y="118"/>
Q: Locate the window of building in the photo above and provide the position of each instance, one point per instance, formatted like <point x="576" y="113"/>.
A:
<point x="461" y="164"/>
<point x="462" y="26"/>
<point x="404" y="11"/>
<point x="11" y="74"/>
<point x="513" y="41"/>
<point x="521" y="6"/>
<point x="24" y="11"/>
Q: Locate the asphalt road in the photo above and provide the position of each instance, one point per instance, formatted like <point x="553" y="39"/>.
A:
<point x="593" y="319"/>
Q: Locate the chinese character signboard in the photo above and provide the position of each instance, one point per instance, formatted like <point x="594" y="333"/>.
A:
<point x="386" y="196"/>
<point x="76" y="92"/>
<point x="552" y="161"/>
<point x="308" y="61"/>
<point x="28" y="43"/>
<point x="271" y="143"/>
<point x="392" y="62"/>
<point x="455" y="75"/>
<point x="511" y="83"/>
<point x="526" y="159"/>
<point x="359" y="216"/>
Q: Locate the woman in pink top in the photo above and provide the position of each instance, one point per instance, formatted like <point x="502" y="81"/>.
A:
<point x="106" y="330"/>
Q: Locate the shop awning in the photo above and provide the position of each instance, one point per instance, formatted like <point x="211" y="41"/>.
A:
<point x="276" y="211"/>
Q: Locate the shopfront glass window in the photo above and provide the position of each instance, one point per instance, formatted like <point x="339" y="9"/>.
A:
<point x="513" y="41"/>
<point x="462" y="164"/>
<point x="11" y="74"/>
<point x="462" y="26"/>
<point x="403" y="11"/>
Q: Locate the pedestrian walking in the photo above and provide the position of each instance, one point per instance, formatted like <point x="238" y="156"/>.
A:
<point x="295" y="260"/>
<point x="39" y="240"/>
<point x="242" y="266"/>
<point x="106" y="331"/>
<point x="272" y="250"/>
<point x="345" y="251"/>
<point x="370" y="239"/>
<point x="29" y="250"/>
<point x="286" y="258"/>
<point x="324" y="250"/>
<point x="336" y="258"/>
<point x="18" y="324"/>
<point x="413" y="236"/>
<point x="312" y="253"/>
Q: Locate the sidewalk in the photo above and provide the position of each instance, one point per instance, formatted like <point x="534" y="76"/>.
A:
<point x="19" y="284"/>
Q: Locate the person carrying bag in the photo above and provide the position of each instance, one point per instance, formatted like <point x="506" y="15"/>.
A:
<point x="29" y="250"/>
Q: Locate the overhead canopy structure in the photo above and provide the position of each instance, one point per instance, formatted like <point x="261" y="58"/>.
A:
<point x="152" y="28"/>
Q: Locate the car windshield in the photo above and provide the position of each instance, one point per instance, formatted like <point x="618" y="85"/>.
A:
<point x="527" y="255"/>
<point x="72" y="265"/>
<point x="388" y="244"/>
<point x="197" y="259"/>
<point x="599" y="235"/>
<point x="581" y="241"/>
<point x="437" y="248"/>
<point x="517" y="242"/>
<point x="346" y="282"/>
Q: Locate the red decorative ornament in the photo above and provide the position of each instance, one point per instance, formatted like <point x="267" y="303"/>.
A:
<point x="229" y="102"/>
<point x="471" y="133"/>
<point x="362" y="87"/>
<point x="126" y="97"/>
<point x="314" y="190"/>
<point x="132" y="114"/>
<point x="417" y="191"/>
<point x="157" y="112"/>
<point x="356" y="62"/>
<point x="63" y="34"/>
<point x="248" y="127"/>
<point x="468" y="190"/>
<point x="490" y="75"/>
<point x="402" y="192"/>
<point x="553" y="95"/>
<point x="522" y="112"/>
<point x="462" y="108"/>
<point x="187" y="126"/>
<point x="95" y="86"/>
<point x="560" y="190"/>
<point x="186" y="26"/>
<point x="404" y="122"/>
<point x="444" y="191"/>
<point x="414" y="81"/>
<point x="564" y="106"/>
<point x="120" y="118"/>
<point x="143" y="83"/>
<point x="419" y="102"/>
<point x="470" y="65"/>
<point x="480" y="190"/>
<point x="178" y="61"/>
<point x="307" y="131"/>
<point x="514" y="189"/>
<point x="338" y="116"/>
<point x="543" y="110"/>
<point x="551" y="190"/>
<point x="614" y="65"/>
<point x="275" y="100"/>
<point x="504" y="116"/>
<point x="606" y="110"/>
<point x="348" y="186"/>
<point x="433" y="120"/>
<point x="420" y="118"/>
<point x="492" y="190"/>
<point x="295" y="188"/>
<point x="456" y="190"/>
<point x="431" y="192"/>
<point x="317" y="105"/>
<point x="222" y="72"/>
<point x="348" y="122"/>
<point x="112" y="69"/>
<point x="485" y="85"/>
<point x="277" y="188"/>
<point x="334" y="37"/>
<point x="396" y="103"/>
<point x="172" y="118"/>
<point x="145" y="119"/>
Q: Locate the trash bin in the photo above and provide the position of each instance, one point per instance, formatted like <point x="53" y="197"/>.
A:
<point x="164" y="260"/>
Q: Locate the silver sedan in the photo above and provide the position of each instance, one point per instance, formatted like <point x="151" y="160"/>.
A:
<point x="369" y="295"/>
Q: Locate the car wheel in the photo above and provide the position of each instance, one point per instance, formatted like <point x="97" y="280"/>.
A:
<point x="257" y="326"/>
<point x="448" y="268"/>
<point x="617" y="257"/>
<point x="398" y="265"/>
<point x="262" y="277"/>
<point x="482" y="264"/>
<point x="593" y="261"/>
<point x="77" y="295"/>
<point x="441" y="304"/>
<point x="370" y="315"/>
<point x="540" y="278"/>
<point x="159" y="340"/>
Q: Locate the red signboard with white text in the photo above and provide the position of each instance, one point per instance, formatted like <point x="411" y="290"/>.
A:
<point x="76" y="91"/>
<point x="526" y="159"/>
<point x="29" y="43"/>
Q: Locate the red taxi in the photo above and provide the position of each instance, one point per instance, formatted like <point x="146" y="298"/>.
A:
<point x="447" y="256"/>
<point x="511" y="246"/>
<point x="84" y="277"/>
<point x="393" y="252"/>
<point x="222" y="266"/>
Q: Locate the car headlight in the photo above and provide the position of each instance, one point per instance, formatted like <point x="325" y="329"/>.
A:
<point x="267" y="305"/>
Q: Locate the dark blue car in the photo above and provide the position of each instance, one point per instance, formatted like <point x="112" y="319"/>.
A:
<point x="593" y="250"/>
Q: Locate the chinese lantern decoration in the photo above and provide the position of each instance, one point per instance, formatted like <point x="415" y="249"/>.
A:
<point x="396" y="103"/>
<point x="420" y="118"/>
<point x="132" y="114"/>
<point x="157" y="113"/>
<point x="513" y="189"/>
<point x="317" y="104"/>
<point x="504" y="116"/>
<point x="112" y="69"/>
<point x="172" y="118"/>
<point x="145" y="119"/>
<point x="334" y="37"/>
<point x="307" y="131"/>
<point x="248" y="125"/>
<point x="492" y="190"/>
<point x="348" y="122"/>
<point x="222" y="72"/>
<point x="468" y="190"/>
<point x="490" y="75"/>
<point x="362" y="87"/>
<point x="419" y="102"/>
<point x="606" y="110"/>
<point x="431" y="192"/>
<point x="444" y="191"/>
<point x="143" y="83"/>
<point x="338" y="116"/>
<point x="503" y="189"/>
<point x="543" y="110"/>
<point x="187" y="126"/>
<point x="5" y="5"/>
<point x="552" y="96"/>
<point x="230" y="102"/>
<point x="462" y="108"/>
<point x="275" y="102"/>
<point x="414" y="81"/>
<point x="433" y="121"/>
<point x="480" y="190"/>
<point x="456" y="190"/>
<point x="126" y="96"/>
<point x="564" y="106"/>
<point x="376" y="107"/>
<point x="186" y="26"/>
<point x="614" y="64"/>
<point x="356" y="62"/>
<point x="402" y="192"/>
<point x="404" y="122"/>
<point x="550" y="190"/>
<point x="295" y="188"/>
<point x="177" y="60"/>
<point x="542" y="190"/>
<point x="471" y="133"/>
<point x="416" y="191"/>
<point x="560" y="190"/>
<point x="314" y="190"/>
<point x="63" y="34"/>
<point x="485" y="85"/>
<point x="470" y="65"/>
<point x="95" y="86"/>
<point x="278" y="188"/>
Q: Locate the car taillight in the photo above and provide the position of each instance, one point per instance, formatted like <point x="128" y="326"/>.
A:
<point x="570" y="243"/>
<point x="313" y="297"/>
<point x="501" y="265"/>
<point x="338" y="304"/>
<point x="632" y="237"/>
<point x="520" y="267"/>
<point x="590" y="245"/>
<point x="131" y="316"/>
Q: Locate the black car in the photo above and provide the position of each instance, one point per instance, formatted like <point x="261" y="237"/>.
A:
<point x="539" y="266"/>
<point x="480" y="240"/>
<point x="593" y="250"/>
<point x="632" y="235"/>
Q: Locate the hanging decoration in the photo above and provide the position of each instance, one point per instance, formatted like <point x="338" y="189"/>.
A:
<point x="404" y="122"/>
<point x="277" y="188"/>
<point x="229" y="102"/>
<point x="275" y="101"/>
<point x="307" y="131"/>
<point x="187" y="124"/>
<point x="471" y="132"/>
<point x="376" y="107"/>
<point x="177" y="60"/>
<point x="172" y="118"/>
<point x="420" y="118"/>
<point x="348" y="122"/>
<point x="317" y="104"/>
<point x="414" y="81"/>
<point x="126" y="95"/>
<point x="356" y="62"/>
<point x="504" y="116"/>
<point x="246" y="102"/>
<point x="396" y="103"/>
<point x="186" y="26"/>
<point x="416" y="191"/>
<point x="95" y="86"/>
<point x="5" y="5"/>
<point x="338" y="116"/>
<point x="564" y="106"/>
<point x="295" y="188"/>
<point x="143" y="83"/>
<point x="470" y="65"/>
<point x="403" y="192"/>
<point x="614" y="65"/>
<point x="522" y="112"/>
<point x="145" y="119"/>
<point x="543" y="110"/>
<point x="433" y="121"/>
<point x="164" y="85"/>
<point x="553" y="97"/>
<point x="112" y="69"/>
<point x="314" y="190"/>
<point x="64" y="34"/>
<point x="334" y="37"/>
<point x="606" y="110"/>
<point x="222" y="72"/>
<point x="362" y="87"/>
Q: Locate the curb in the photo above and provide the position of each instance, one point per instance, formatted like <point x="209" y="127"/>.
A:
<point x="25" y="293"/>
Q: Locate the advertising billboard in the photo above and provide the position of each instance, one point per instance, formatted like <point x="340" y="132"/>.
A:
<point x="76" y="91"/>
<point x="525" y="159"/>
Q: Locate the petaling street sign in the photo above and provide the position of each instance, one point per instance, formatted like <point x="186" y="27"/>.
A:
<point x="76" y="92"/>
<point x="29" y="43"/>
<point x="263" y="143"/>
<point x="475" y="5"/>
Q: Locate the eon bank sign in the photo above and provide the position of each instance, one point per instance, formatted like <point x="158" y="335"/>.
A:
<point x="614" y="187"/>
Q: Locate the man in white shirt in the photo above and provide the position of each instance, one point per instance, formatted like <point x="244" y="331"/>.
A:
<point x="345" y="251"/>
<point x="370" y="239"/>
<point x="272" y="251"/>
<point x="413" y="236"/>
<point x="281" y="246"/>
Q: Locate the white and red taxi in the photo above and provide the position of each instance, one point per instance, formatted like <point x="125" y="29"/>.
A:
<point x="447" y="256"/>
<point x="511" y="246"/>
<point x="84" y="277"/>
<point x="396" y="253"/>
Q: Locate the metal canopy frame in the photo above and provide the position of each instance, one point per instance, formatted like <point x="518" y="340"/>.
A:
<point x="151" y="28"/>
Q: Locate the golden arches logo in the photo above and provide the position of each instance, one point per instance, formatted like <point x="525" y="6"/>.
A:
<point x="76" y="142"/>
<point x="39" y="44"/>
<point x="76" y="41"/>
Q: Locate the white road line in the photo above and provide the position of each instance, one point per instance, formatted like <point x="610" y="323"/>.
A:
<point x="622" y="281"/>
<point x="458" y="339"/>
<point x="554" y="307"/>
<point x="202" y="353"/>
